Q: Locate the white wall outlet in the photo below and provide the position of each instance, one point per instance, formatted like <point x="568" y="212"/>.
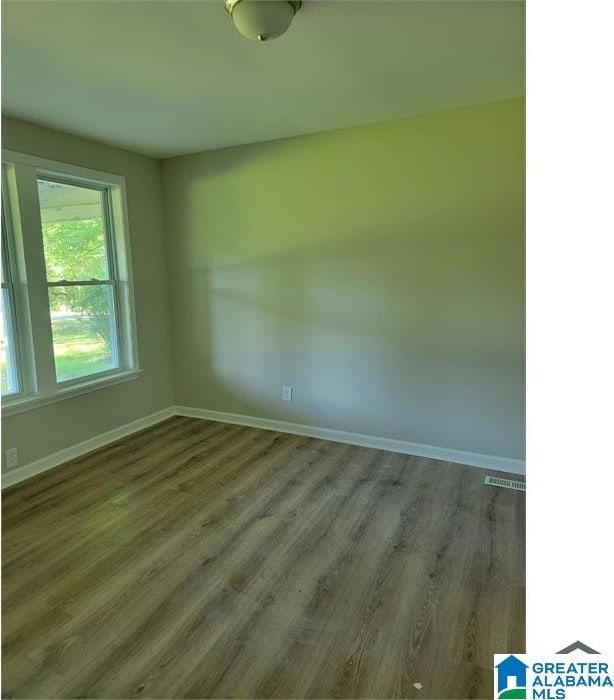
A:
<point x="286" y="393"/>
<point x="12" y="459"/>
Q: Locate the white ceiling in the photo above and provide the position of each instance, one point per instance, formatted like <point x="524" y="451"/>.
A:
<point x="167" y="77"/>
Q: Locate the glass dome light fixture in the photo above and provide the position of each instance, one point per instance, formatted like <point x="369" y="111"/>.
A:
<point x="262" y="20"/>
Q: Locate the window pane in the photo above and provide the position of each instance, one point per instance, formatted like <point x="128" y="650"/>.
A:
<point x="83" y="325"/>
<point x="8" y="365"/>
<point x="73" y="232"/>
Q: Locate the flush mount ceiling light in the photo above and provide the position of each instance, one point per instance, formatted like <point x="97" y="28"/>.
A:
<point x="262" y="20"/>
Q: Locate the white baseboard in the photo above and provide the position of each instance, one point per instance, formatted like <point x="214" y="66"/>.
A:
<point x="472" y="459"/>
<point x="14" y="476"/>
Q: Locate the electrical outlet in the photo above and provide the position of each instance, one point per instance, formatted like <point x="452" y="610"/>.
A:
<point x="12" y="459"/>
<point x="286" y="394"/>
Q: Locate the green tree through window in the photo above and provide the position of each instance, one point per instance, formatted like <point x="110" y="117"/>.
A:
<point x="81" y="291"/>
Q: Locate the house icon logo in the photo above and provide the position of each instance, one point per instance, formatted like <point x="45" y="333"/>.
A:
<point x="511" y="679"/>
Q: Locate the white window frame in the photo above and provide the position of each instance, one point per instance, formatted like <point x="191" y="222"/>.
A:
<point x="10" y="312"/>
<point x="28" y="272"/>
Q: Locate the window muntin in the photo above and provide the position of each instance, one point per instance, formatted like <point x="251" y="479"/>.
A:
<point x="77" y="243"/>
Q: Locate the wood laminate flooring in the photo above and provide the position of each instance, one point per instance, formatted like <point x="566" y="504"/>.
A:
<point x="198" y="560"/>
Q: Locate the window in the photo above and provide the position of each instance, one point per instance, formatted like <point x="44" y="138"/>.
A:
<point x="80" y="278"/>
<point x="8" y="351"/>
<point x="67" y="311"/>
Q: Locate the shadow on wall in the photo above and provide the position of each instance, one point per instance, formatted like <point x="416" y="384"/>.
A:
<point x="370" y="326"/>
<point x="400" y="321"/>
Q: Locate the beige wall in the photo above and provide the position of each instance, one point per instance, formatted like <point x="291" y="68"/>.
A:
<point x="379" y="270"/>
<point x="46" y="430"/>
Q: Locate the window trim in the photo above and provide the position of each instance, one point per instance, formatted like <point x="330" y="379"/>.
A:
<point x="39" y="384"/>
<point x="29" y="403"/>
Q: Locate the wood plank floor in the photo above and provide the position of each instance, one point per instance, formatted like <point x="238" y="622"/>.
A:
<point x="199" y="560"/>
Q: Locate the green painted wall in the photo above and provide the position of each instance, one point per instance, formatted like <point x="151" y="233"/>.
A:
<point x="51" y="428"/>
<point x="379" y="270"/>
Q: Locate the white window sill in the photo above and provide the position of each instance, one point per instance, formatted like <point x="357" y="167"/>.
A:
<point x="29" y="403"/>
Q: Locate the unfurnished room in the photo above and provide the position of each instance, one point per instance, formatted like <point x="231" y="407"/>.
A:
<point x="263" y="348"/>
